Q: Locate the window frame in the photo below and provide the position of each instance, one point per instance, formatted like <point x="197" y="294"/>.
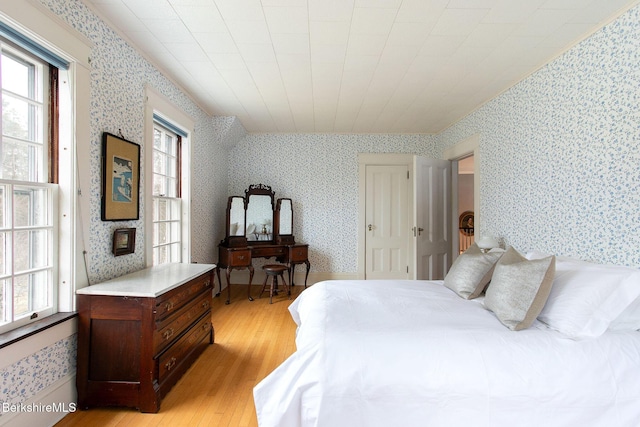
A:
<point x="42" y="83"/>
<point x="172" y="197"/>
<point x="157" y="105"/>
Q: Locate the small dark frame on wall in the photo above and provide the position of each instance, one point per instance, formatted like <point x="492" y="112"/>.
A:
<point x="120" y="178"/>
<point x="124" y="241"/>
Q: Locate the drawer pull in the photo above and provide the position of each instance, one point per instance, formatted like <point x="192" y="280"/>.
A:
<point x="207" y="283"/>
<point x="168" y="306"/>
<point x="240" y="256"/>
<point x="168" y="333"/>
<point x="171" y="363"/>
<point x="205" y="304"/>
<point x="205" y="326"/>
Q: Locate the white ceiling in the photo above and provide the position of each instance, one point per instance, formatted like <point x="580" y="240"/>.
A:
<point x="363" y="66"/>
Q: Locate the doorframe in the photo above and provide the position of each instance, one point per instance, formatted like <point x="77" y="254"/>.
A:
<point x="379" y="159"/>
<point x="467" y="147"/>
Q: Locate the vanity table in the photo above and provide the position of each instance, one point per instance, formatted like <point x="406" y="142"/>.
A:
<point x="258" y="228"/>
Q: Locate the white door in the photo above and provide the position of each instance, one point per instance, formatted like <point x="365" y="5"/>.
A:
<point x="432" y="229"/>
<point x="388" y="230"/>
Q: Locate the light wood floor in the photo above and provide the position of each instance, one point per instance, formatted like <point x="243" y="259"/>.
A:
<point x="251" y="339"/>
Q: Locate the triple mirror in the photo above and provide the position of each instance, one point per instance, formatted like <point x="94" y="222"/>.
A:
<point x="255" y="219"/>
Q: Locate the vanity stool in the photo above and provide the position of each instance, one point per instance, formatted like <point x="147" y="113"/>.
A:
<point x="273" y="271"/>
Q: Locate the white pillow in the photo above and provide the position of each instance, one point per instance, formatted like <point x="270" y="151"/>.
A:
<point x="586" y="298"/>
<point x="629" y="319"/>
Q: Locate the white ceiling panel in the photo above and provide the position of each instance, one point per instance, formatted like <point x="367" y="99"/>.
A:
<point x="402" y="66"/>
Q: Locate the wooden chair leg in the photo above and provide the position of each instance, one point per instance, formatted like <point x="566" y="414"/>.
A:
<point x="264" y="285"/>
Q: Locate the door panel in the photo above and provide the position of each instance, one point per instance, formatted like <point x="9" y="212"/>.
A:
<point x="432" y="218"/>
<point x="387" y="222"/>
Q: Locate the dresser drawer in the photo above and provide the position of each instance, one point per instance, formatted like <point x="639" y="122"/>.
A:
<point x="170" y="327"/>
<point x="298" y="253"/>
<point x="239" y="258"/>
<point x="174" y="300"/>
<point x="171" y="359"/>
<point x="268" y="251"/>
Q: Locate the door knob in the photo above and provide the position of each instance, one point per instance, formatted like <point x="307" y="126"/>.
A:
<point x="370" y="227"/>
<point x="420" y="230"/>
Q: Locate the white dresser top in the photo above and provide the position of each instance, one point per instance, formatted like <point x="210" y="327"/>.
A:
<point x="150" y="282"/>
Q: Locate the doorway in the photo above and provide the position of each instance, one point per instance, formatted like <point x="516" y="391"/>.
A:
<point x="467" y="148"/>
<point x="466" y="214"/>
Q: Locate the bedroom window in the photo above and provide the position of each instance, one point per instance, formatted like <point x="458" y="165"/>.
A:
<point x="167" y="202"/>
<point x="28" y="188"/>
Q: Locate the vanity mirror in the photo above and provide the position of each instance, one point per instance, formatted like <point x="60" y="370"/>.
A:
<point x="284" y="222"/>
<point x="235" y="222"/>
<point x="259" y="214"/>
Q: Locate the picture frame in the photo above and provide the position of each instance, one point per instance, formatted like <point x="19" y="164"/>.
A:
<point x="120" y="178"/>
<point x="124" y="241"/>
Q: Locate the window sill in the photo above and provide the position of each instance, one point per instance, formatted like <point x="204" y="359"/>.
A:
<point x="26" y="331"/>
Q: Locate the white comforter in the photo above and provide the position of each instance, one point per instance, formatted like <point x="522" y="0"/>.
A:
<point x="413" y="353"/>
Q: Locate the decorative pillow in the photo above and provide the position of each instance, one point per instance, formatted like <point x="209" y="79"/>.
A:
<point x="587" y="298"/>
<point x="519" y="288"/>
<point x="471" y="271"/>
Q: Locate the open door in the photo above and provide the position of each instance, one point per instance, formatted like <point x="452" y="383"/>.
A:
<point x="432" y="221"/>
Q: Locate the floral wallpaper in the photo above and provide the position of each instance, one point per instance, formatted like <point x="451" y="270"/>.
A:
<point x="29" y="376"/>
<point x="319" y="172"/>
<point x="118" y="77"/>
<point x="560" y="165"/>
<point x="560" y="152"/>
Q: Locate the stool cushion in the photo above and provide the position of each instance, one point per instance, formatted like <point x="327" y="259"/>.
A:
<point x="275" y="268"/>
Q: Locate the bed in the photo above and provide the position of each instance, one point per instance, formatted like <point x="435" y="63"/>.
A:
<point x="416" y="353"/>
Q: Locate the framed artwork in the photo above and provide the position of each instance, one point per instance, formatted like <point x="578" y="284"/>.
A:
<point x="124" y="241"/>
<point x="120" y="178"/>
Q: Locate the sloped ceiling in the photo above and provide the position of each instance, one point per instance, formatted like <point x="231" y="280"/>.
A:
<point x="357" y="66"/>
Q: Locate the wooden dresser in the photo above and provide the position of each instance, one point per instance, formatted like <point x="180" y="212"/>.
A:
<point x="139" y="333"/>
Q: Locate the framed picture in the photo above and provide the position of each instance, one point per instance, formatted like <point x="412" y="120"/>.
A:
<point x="124" y="241"/>
<point x="120" y="178"/>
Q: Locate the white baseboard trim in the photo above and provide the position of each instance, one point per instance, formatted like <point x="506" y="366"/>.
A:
<point x="44" y="409"/>
<point x="241" y="277"/>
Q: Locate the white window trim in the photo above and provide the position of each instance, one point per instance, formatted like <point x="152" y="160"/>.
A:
<point x="38" y="23"/>
<point x="158" y="104"/>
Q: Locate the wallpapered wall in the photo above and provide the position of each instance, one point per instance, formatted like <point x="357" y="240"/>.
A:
<point x="118" y="77"/>
<point x="319" y="172"/>
<point x="560" y="152"/>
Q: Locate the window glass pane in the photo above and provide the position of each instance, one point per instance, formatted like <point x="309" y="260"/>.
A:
<point x="5" y="251"/>
<point x="21" y="119"/>
<point x="30" y="206"/>
<point x="3" y="205"/>
<point x="160" y="213"/>
<point x="175" y="231"/>
<point x="159" y="162"/>
<point x="21" y="161"/>
<point x="175" y="252"/>
<point x="158" y="185"/>
<point x="172" y="170"/>
<point x="170" y="185"/>
<point x="160" y="255"/>
<point x="162" y="235"/>
<point x="157" y="139"/>
<point x="176" y="209"/>
<point x="15" y="75"/>
<point x="169" y="145"/>
<point x="30" y="293"/>
<point x="30" y="249"/>
<point x="4" y="294"/>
